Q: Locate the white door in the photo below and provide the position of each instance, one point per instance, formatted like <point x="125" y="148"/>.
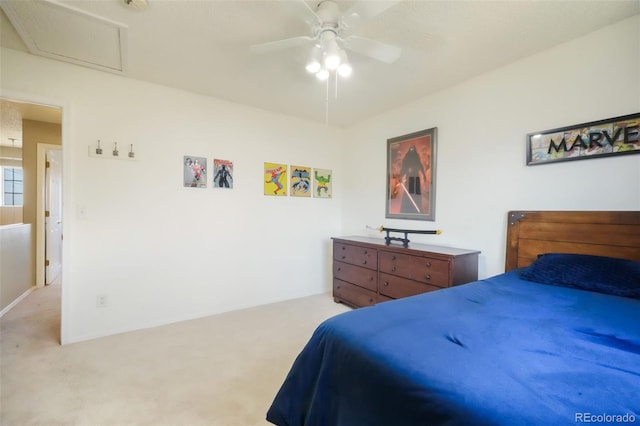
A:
<point x="53" y="216"/>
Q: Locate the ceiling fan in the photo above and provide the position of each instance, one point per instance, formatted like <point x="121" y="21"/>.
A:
<point x="331" y="33"/>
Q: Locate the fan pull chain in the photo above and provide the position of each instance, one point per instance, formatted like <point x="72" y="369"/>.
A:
<point x="326" y="104"/>
<point x="336" y="93"/>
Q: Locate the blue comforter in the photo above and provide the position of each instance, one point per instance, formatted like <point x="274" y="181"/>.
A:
<point x="497" y="351"/>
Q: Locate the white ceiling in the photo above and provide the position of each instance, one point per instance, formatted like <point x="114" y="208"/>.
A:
<point x="203" y="46"/>
<point x="13" y="112"/>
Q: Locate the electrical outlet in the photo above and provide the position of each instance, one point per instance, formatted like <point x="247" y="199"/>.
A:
<point x="101" y="301"/>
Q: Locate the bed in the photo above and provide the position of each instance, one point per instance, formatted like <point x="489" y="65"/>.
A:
<point x="530" y="346"/>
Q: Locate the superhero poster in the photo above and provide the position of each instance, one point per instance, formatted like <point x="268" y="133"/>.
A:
<point x="194" y="171"/>
<point x="275" y="179"/>
<point x="411" y="171"/>
<point x="322" y="183"/>
<point x="603" y="138"/>
<point x="300" y="181"/>
<point x="222" y="174"/>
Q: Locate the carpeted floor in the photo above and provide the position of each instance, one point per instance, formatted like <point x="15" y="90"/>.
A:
<point x="220" y="370"/>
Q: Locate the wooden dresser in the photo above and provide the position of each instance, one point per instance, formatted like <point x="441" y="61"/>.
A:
<point x="367" y="271"/>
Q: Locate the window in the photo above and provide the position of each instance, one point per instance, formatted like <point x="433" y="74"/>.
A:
<point x="12" y="183"/>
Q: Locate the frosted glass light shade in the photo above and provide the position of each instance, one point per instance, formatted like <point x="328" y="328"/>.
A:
<point x="323" y="74"/>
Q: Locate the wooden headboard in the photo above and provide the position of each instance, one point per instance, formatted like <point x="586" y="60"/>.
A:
<point x="603" y="233"/>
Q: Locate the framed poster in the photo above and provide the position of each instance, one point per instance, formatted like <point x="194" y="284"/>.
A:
<point x="275" y="179"/>
<point x="322" y="183"/>
<point x="222" y="174"/>
<point x="603" y="138"/>
<point x="300" y="181"/>
<point x="194" y="170"/>
<point x="411" y="172"/>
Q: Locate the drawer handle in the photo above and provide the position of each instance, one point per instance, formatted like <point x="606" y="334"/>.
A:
<point x="393" y="258"/>
<point x="428" y="276"/>
<point x="344" y="248"/>
<point x="365" y="252"/>
<point x="370" y="278"/>
<point x="338" y="287"/>
<point x="339" y="269"/>
<point x="393" y="269"/>
<point x="428" y="264"/>
<point x="344" y="256"/>
<point x="370" y="300"/>
<point x="386" y="283"/>
<point x="364" y="262"/>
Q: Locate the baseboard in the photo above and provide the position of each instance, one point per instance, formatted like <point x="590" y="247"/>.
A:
<point x="174" y="320"/>
<point x="15" y="302"/>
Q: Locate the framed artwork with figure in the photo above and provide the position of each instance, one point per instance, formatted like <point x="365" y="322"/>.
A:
<point x="411" y="176"/>
<point x="194" y="170"/>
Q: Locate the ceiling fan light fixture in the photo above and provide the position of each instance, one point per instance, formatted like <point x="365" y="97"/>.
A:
<point x="323" y="74"/>
<point x="313" y="66"/>
<point x="331" y="61"/>
<point x="345" y="69"/>
<point x="331" y="31"/>
<point x="332" y="55"/>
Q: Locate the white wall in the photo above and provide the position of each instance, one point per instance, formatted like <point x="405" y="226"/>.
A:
<point x="482" y="125"/>
<point x="161" y="252"/>
<point x="17" y="270"/>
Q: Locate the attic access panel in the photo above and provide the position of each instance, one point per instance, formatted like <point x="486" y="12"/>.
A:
<point x="61" y="32"/>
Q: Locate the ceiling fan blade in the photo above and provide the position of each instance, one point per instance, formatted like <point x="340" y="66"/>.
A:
<point x="302" y="10"/>
<point x="374" y="49"/>
<point x="274" y="46"/>
<point x="364" y="10"/>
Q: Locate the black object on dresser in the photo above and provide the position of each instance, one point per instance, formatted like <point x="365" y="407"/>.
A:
<point x="367" y="271"/>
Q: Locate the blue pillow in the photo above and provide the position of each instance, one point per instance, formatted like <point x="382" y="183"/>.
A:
<point x="608" y="275"/>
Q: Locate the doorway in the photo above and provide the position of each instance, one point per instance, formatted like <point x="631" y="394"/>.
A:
<point x="40" y="125"/>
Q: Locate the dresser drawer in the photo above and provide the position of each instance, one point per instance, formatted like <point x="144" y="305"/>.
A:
<point x="367" y="271"/>
<point x="367" y="278"/>
<point x="383" y="298"/>
<point x="352" y="294"/>
<point x="361" y="256"/>
<point x="397" y="287"/>
<point x="417" y="268"/>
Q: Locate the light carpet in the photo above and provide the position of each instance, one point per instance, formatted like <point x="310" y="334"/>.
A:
<point x="219" y="370"/>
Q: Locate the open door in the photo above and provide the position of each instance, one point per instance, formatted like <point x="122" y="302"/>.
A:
<point x="53" y="215"/>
